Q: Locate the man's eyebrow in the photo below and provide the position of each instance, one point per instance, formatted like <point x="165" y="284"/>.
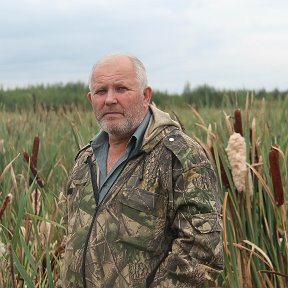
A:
<point x="120" y="82"/>
<point x="99" y="85"/>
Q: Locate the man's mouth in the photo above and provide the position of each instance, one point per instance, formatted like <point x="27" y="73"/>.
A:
<point x="112" y="113"/>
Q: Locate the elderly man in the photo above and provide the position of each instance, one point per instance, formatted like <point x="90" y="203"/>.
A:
<point x="142" y="202"/>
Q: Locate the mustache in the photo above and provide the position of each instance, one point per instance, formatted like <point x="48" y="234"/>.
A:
<point x="103" y="112"/>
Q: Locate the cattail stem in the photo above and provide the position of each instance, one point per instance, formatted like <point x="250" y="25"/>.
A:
<point x="276" y="175"/>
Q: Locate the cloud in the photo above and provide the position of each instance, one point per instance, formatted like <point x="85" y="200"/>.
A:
<point x="231" y="43"/>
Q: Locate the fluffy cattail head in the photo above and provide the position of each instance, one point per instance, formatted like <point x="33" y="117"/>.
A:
<point x="236" y="152"/>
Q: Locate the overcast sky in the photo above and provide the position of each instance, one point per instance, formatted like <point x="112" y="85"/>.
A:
<point x="238" y="44"/>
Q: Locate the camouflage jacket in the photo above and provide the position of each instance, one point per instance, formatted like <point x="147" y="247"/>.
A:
<point x="158" y="226"/>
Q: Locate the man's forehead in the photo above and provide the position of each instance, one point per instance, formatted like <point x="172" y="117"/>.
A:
<point x="116" y="68"/>
<point x="115" y="61"/>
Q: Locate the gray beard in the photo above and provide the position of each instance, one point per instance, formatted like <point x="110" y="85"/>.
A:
<point x="126" y="129"/>
<point x="131" y="123"/>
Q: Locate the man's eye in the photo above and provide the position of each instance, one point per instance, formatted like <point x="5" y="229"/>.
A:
<point x="121" y="89"/>
<point x="100" y="92"/>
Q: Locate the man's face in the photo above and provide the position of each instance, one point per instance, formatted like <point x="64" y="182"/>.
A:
<point x="119" y="104"/>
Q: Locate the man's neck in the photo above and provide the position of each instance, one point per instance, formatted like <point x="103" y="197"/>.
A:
<point x="116" y="148"/>
<point x="118" y="143"/>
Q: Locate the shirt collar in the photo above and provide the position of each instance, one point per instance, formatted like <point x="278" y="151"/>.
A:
<point x="140" y="131"/>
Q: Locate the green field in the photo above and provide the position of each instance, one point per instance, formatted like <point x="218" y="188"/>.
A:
<point x="255" y="220"/>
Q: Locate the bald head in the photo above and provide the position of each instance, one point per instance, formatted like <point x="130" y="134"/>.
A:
<point x="139" y="69"/>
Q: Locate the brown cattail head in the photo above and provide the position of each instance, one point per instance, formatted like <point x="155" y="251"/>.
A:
<point x="276" y="175"/>
<point x="35" y="150"/>
<point x="7" y="200"/>
<point x="238" y="122"/>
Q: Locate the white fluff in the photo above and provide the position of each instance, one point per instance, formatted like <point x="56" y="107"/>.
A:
<point x="236" y="151"/>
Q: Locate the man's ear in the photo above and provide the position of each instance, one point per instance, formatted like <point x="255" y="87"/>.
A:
<point x="89" y="96"/>
<point x="147" y="93"/>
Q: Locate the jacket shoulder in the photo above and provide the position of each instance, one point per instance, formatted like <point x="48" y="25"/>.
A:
<point x="78" y="169"/>
<point x="186" y="149"/>
<point x="84" y="151"/>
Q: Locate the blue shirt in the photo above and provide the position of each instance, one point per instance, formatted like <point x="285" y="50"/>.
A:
<point x="99" y="145"/>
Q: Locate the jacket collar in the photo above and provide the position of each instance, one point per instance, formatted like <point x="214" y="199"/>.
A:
<point x="160" y="125"/>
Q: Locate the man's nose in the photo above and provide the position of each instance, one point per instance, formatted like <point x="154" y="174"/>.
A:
<point x="111" y="97"/>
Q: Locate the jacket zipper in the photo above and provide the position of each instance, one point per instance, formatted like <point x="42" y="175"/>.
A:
<point x="96" y="196"/>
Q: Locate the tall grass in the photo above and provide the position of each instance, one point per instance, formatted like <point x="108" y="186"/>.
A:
<point x="255" y="222"/>
<point x="30" y="226"/>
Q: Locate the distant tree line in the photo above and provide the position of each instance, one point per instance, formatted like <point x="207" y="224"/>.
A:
<point x="74" y="94"/>
<point x="208" y="96"/>
<point x="48" y="96"/>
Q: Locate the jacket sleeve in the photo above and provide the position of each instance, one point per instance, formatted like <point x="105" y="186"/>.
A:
<point x="196" y="254"/>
